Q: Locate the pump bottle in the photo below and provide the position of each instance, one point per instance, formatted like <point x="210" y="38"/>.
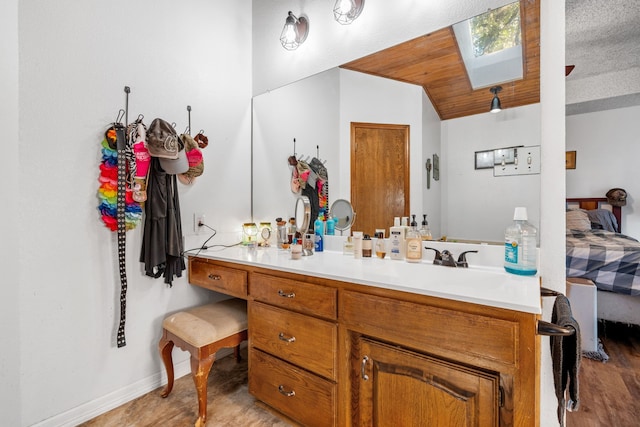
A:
<point x="414" y="243"/>
<point x="425" y="232"/>
<point x="520" y="241"/>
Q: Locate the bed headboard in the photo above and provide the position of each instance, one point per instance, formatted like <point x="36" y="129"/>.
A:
<point x="588" y="203"/>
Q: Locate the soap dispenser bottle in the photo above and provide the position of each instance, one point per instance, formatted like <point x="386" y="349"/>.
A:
<point x="425" y="232"/>
<point x="414" y="242"/>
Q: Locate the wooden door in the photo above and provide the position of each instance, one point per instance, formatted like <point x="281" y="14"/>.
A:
<point x="403" y="388"/>
<point x="379" y="174"/>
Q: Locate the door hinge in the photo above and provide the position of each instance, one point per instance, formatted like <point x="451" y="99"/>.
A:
<point x="500" y="397"/>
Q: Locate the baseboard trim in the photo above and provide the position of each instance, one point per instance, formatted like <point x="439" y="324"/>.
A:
<point x="99" y="406"/>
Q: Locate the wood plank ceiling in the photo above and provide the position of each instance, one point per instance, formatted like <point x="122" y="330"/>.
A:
<point x="433" y="61"/>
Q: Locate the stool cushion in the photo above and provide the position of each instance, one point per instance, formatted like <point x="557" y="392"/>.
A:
<point x="206" y="324"/>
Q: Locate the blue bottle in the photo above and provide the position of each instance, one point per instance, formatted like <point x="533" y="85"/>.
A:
<point x="318" y="228"/>
<point x="331" y="226"/>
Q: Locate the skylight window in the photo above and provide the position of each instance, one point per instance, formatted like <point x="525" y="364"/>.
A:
<point x="490" y="45"/>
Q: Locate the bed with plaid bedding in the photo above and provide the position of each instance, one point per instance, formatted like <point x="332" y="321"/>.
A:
<point x="610" y="260"/>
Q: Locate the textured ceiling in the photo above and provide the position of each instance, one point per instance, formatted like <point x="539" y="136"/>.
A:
<point x="603" y="42"/>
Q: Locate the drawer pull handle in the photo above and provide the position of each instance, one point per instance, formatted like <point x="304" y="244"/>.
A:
<point x="214" y="276"/>
<point x="282" y="337"/>
<point x="284" y="294"/>
<point x="364" y="376"/>
<point x="286" y="393"/>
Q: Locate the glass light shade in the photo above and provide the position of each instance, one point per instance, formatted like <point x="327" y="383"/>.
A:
<point x="294" y="32"/>
<point x="346" y="11"/>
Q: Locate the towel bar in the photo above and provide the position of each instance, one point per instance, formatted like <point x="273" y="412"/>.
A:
<point x="546" y="292"/>
<point x="551" y="329"/>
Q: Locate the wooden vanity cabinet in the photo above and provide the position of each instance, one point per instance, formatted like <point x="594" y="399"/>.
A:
<point x="293" y="338"/>
<point x="428" y="361"/>
<point x="333" y="353"/>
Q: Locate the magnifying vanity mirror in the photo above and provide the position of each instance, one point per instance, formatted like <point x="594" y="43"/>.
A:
<point x="342" y="210"/>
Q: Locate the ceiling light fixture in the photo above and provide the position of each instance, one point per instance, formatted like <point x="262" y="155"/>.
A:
<point x="294" y="32"/>
<point x="495" y="102"/>
<point x="346" y="11"/>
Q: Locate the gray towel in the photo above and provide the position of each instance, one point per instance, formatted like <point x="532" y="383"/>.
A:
<point x="565" y="355"/>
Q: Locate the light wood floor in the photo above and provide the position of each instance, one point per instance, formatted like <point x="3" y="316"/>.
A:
<point x="609" y="394"/>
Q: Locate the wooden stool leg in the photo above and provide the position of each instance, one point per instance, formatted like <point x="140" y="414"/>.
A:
<point x="200" y="372"/>
<point x="236" y="353"/>
<point x="165" y="346"/>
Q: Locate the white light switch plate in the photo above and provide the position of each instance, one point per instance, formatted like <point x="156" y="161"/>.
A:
<point x="527" y="163"/>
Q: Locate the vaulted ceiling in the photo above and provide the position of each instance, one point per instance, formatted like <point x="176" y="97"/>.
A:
<point x="433" y="61"/>
<point x="602" y="41"/>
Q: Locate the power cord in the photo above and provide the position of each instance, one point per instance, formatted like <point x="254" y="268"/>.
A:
<point x="204" y="246"/>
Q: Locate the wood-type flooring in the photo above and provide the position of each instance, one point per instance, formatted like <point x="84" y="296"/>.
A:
<point x="609" y="393"/>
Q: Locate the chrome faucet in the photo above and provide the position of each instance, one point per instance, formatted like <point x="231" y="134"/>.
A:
<point x="447" y="259"/>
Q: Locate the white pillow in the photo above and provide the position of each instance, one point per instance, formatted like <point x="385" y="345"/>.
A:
<point x="578" y="219"/>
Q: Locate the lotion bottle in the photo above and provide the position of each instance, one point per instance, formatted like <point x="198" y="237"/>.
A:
<point x="397" y="243"/>
<point x="414" y="243"/>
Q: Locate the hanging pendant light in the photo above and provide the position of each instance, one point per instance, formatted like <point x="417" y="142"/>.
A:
<point x="495" y="102"/>
<point x="294" y="32"/>
<point x="346" y="11"/>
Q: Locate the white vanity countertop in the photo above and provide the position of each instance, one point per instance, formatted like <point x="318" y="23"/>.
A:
<point x="488" y="286"/>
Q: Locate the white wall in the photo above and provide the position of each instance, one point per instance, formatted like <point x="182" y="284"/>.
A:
<point x="607" y="151"/>
<point x="431" y="144"/>
<point x="369" y="99"/>
<point x="10" y="218"/>
<point x="307" y="111"/>
<point x="75" y="59"/>
<point x="475" y="204"/>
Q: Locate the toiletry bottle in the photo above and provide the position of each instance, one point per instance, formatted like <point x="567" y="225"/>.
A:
<point x="347" y="246"/>
<point x="331" y="226"/>
<point x="414" y="243"/>
<point x="425" y="232"/>
<point x="318" y="230"/>
<point x="281" y="233"/>
<point x="357" y="244"/>
<point x="291" y="232"/>
<point x="380" y="244"/>
<point x="367" y="246"/>
<point x="397" y="240"/>
<point x="520" y="241"/>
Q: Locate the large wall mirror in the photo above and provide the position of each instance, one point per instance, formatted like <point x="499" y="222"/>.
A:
<point x="464" y="203"/>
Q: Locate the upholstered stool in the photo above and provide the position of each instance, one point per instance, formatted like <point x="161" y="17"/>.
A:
<point x="202" y="331"/>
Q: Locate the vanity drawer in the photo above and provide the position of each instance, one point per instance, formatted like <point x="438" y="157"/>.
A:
<point x="229" y="281"/>
<point x="300" y="395"/>
<point x="308" y="298"/>
<point x="303" y="340"/>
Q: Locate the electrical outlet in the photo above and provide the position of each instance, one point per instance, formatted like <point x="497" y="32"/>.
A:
<point x="198" y="222"/>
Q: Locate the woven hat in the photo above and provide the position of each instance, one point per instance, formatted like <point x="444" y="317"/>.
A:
<point x="617" y="197"/>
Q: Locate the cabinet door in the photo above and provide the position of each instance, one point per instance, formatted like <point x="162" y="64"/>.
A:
<point x="403" y="388"/>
